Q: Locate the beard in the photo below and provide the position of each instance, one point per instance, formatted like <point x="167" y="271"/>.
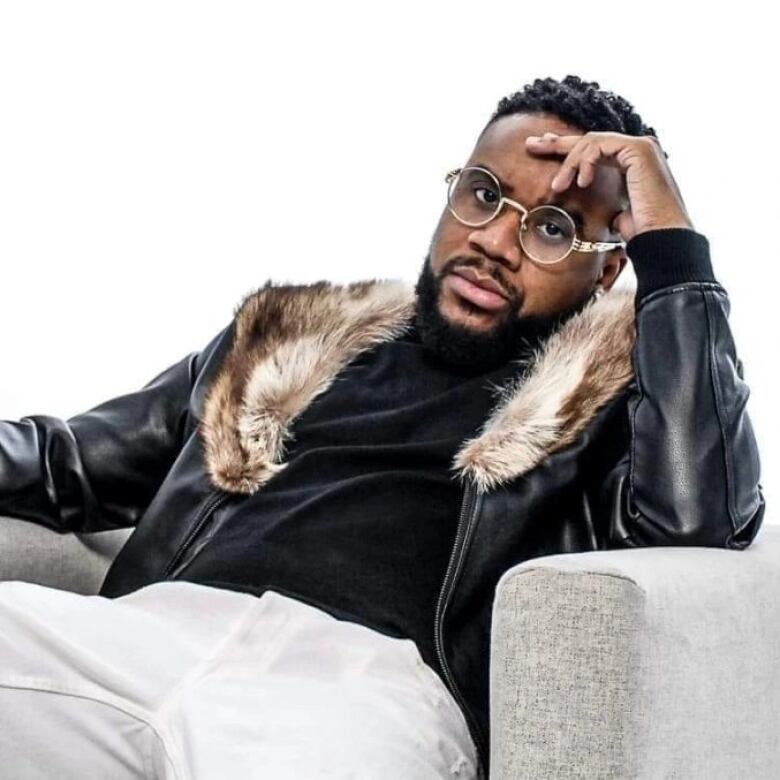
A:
<point x="468" y="350"/>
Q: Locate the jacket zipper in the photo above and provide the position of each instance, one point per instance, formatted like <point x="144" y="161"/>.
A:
<point x="457" y="556"/>
<point x="454" y="565"/>
<point x="214" y="500"/>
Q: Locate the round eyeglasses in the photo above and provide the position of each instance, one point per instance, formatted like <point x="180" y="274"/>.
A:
<point x="547" y="233"/>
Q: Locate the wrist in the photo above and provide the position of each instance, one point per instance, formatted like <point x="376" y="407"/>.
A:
<point x="662" y="257"/>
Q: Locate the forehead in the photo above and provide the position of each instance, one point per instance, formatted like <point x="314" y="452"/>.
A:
<point x="502" y="149"/>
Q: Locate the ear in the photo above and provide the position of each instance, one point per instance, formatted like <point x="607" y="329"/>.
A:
<point x="614" y="263"/>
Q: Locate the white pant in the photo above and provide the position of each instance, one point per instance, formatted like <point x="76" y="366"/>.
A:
<point x="179" y="680"/>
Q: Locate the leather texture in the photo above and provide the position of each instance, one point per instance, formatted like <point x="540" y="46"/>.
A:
<point x="672" y="460"/>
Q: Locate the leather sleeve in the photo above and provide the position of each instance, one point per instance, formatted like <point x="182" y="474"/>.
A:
<point x="691" y="472"/>
<point x="98" y="470"/>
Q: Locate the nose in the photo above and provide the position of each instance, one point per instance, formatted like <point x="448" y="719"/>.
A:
<point x="499" y="239"/>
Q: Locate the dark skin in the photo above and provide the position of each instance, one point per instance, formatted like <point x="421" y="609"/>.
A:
<point x="621" y="185"/>
<point x="494" y="249"/>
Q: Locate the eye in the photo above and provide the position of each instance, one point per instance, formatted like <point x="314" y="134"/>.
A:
<point x="489" y="196"/>
<point x="554" y="227"/>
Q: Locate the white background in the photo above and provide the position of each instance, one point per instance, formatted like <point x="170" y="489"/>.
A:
<point x="160" y="160"/>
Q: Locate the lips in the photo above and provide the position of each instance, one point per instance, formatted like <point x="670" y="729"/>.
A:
<point x="485" y="299"/>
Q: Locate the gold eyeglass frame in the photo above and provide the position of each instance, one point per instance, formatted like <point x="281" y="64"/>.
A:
<point x="577" y="244"/>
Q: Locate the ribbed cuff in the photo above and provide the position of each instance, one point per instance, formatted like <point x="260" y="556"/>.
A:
<point x="667" y="256"/>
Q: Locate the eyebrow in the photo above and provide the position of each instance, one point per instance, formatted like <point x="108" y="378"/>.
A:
<point x="559" y="199"/>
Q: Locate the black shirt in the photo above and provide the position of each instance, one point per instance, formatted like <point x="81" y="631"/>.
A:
<point x="362" y="520"/>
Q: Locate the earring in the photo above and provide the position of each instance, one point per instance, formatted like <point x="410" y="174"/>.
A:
<point x="598" y="291"/>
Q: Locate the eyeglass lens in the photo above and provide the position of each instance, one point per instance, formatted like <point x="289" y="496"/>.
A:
<point x="548" y="234"/>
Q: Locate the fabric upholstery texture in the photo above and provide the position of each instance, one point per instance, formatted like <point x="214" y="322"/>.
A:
<point x="641" y="663"/>
<point x="75" y="562"/>
<point x="649" y="663"/>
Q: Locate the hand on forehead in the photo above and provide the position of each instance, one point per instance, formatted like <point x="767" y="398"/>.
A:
<point x="526" y="176"/>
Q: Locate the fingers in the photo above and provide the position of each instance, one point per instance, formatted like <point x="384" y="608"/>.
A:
<point x="579" y="161"/>
<point x="586" y="174"/>
<point x="584" y="153"/>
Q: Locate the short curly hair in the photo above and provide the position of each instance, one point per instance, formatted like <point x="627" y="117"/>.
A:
<point x="582" y="104"/>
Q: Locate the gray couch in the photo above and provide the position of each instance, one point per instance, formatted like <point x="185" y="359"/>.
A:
<point x="650" y="663"/>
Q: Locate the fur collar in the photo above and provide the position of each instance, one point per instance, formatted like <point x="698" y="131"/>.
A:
<point x="291" y="341"/>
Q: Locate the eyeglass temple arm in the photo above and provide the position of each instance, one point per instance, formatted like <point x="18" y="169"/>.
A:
<point x="597" y="246"/>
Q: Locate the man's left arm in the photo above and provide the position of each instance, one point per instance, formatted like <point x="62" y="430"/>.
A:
<point x="691" y="472"/>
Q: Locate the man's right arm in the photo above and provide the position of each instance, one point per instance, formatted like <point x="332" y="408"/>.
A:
<point x="100" y="469"/>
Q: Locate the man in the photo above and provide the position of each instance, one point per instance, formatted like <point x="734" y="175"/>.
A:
<point x="384" y="453"/>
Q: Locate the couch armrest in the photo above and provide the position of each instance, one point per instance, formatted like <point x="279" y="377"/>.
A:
<point x="641" y="663"/>
<point x="76" y="562"/>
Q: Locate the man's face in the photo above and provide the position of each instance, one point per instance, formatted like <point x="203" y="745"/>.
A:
<point x="536" y="296"/>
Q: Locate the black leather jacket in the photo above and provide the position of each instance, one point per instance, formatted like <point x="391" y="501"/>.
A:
<point x="671" y="459"/>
